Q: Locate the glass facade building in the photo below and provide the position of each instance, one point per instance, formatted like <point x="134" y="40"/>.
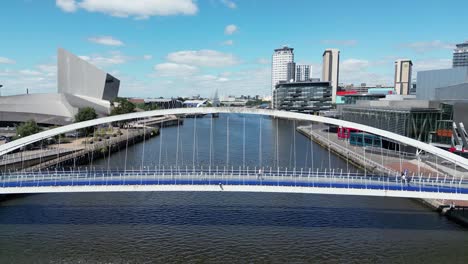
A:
<point x="303" y="97"/>
<point x="352" y="99"/>
<point x="416" y="123"/>
<point x="460" y="55"/>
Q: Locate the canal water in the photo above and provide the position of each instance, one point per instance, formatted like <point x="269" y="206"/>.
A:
<point x="225" y="227"/>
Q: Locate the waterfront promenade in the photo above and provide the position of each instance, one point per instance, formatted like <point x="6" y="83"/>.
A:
<point x="387" y="161"/>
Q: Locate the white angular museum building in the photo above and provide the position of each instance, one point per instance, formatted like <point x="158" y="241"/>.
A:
<point x="79" y="84"/>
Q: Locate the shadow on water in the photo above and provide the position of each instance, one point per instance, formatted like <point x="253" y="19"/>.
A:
<point x="212" y="215"/>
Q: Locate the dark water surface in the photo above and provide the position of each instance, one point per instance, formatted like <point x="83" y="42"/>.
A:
<point x="225" y="227"/>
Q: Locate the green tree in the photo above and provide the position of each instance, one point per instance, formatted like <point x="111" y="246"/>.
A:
<point x="26" y="129"/>
<point x="122" y="106"/>
<point x="85" y="114"/>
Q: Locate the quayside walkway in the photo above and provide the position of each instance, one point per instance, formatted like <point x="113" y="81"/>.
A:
<point x="231" y="179"/>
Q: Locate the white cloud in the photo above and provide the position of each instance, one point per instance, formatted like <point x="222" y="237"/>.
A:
<point x="106" y="40"/>
<point x="228" y="42"/>
<point x="229" y="4"/>
<point x="30" y="72"/>
<point x="248" y="82"/>
<point x="147" y="57"/>
<point x="5" y="73"/>
<point x="4" y="60"/>
<point x="67" y="5"/>
<point x="174" y="69"/>
<point x="352" y="65"/>
<point x="358" y="71"/>
<point x="210" y="78"/>
<point x="425" y="46"/>
<point x="49" y="69"/>
<point x="263" y="61"/>
<point x="113" y="58"/>
<point x="140" y="9"/>
<point x="38" y="80"/>
<point x="343" y="42"/>
<point x="431" y="64"/>
<point x="203" y="58"/>
<point x="230" y="29"/>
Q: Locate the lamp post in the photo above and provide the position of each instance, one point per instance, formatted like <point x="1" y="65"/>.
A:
<point x="0" y="89"/>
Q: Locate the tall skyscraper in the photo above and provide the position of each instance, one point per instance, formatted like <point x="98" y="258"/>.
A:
<point x="331" y="69"/>
<point x="279" y="65"/>
<point x="303" y="72"/>
<point x="403" y="69"/>
<point x="460" y="55"/>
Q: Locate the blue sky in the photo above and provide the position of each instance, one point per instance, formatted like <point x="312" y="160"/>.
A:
<point x="187" y="47"/>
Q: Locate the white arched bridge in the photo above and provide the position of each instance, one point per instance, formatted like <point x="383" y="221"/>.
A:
<point x="438" y="184"/>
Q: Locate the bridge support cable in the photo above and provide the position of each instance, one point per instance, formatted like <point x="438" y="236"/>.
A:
<point x="382" y="155"/>
<point x="260" y="142"/>
<point x="306" y="158"/>
<point x="58" y="153"/>
<point x="109" y="147"/>
<point x="328" y="143"/>
<point x="401" y="163"/>
<point x="364" y="151"/>
<point x="277" y="145"/>
<point x="126" y="150"/>
<point x="211" y="142"/>
<point x="74" y="152"/>
<point x="243" y="144"/>
<point x="194" y="142"/>
<point x="40" y="155"/>
<point x="177" y="145"/>
<point x="347" y="150"/>
<point x="143" y="148"/>
<point x="227" y="142"/>
<point x="311" y="147"/>
<point x="94" y="149"/>
<point x="294" y="143"/>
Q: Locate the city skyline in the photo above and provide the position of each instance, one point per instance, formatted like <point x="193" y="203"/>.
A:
<point x="185" y="47"/>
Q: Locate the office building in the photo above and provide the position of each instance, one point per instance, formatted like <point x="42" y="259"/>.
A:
<point x="417" y="119"/>
<point x="303" y="97"/>
<point x="279" y="65"/>
<point x="330" y="69"/>
<point x="440" y="84"/>
<point x="403" y="69"/>
<point x="291" y="72"/>
<point x="303" y="72"/>
<point x="79" y="85"/>
<point x="460" y="55"/>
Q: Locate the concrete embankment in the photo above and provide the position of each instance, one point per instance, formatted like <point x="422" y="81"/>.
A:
<point x="458" y="214"/>
<point x="345" y="153"/>
<point x="85" y="150"/>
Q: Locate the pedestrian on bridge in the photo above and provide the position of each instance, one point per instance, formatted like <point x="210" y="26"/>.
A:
<point x="259" y="176"/>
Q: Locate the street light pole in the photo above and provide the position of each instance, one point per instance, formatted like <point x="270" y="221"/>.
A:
<point x="0" y="89"/>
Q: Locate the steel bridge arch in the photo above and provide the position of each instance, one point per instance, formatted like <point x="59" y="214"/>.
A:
<point x="14" y="145"/>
